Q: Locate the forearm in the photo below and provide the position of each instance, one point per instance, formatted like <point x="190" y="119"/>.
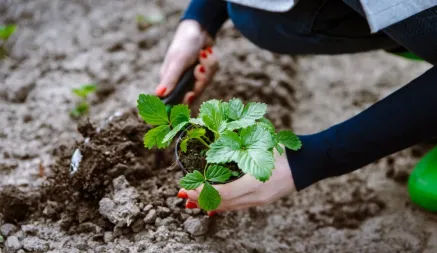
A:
<point x="401" y="120"/>
<point x="211" y="14"/>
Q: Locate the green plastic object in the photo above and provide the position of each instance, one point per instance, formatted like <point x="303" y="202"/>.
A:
<point x="422" y="183"/>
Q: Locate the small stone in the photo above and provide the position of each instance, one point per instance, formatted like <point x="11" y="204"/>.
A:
<point x="101" y="249"/>
<point x="163" y="211"/>
<point x="222" y="234"/>
<point x="173" y="202"/>
<point x="7" y="229"/>
<point x="51" y="209"/>
<point x="196" y="226"/>
<point x="12" y="244"/>
<point x="118" y="231"/>
<point x="34" y="244"/>
<point x="164" y="222"/>
<point x="108" y="237"/>
<point x="147" y="208"/>
<point x="138" y="225"/>
<point x="150" y="217"/>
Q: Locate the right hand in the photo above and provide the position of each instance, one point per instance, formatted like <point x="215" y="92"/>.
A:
<point x="187" y="45"/>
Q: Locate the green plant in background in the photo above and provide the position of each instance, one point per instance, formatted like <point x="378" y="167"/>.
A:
<point x="238" y="134"/>
<point x="1" y="239"/>
<point x="144" y="22"/>
<point x="6" y="31"/>
<point x="82" y="107"/>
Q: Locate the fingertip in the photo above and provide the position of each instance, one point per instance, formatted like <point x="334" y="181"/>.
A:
<point x="189" y="98"/>
<point x="160" y="90"/>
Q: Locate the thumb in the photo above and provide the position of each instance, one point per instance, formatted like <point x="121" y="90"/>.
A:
<point x="170" y="76"/>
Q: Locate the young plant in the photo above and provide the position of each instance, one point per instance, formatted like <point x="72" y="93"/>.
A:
<point x="231" y="133"/>
<point x="6" y="31"/>
<point x="144" y="22"/>
<point x="82" y="107"/>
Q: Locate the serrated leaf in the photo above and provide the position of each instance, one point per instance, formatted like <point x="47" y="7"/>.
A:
<point x="213" y="115"/>
<point x="197" y="121"/>
<point x="235" y="173"/>
<point x="192" y="180"/>
<point x="85" y="90"/>
<point x="179" y="114"/>
<point x="250" y="150"/>
<point x="289" y="139"/>
<point x="6" y="31"/>
<point x="218" y="174"/>
<point x="155" y="136"/>
<point x="209" y="198"/>
<point x="267" y="124"/>
<point x="236" y="108"/>
<point x="196" y="132"/>
<point x="169" y="137"/>
<point x="152" y="110"/>
<point x="224" y="149"/>
<point x="184" y="144"/>
<point x="251" y="113"/>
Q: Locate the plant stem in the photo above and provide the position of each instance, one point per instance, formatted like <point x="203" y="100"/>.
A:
<point x="203" y="142"/>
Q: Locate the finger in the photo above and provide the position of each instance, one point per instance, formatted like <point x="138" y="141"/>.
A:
<point x="209" y="60"/>
<point x="170" y="77"/>
<point x="201" y="75"/>
<point x="191" y="204"/>
<point x="189" y="98"/>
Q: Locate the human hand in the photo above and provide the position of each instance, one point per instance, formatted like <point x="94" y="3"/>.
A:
<point x="247" y="191"/>
<point x="184" y="50"/>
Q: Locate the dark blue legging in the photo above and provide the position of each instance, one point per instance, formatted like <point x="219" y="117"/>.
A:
<point x="403" y="119"/>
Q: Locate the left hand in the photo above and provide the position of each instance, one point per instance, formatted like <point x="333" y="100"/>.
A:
<point x="248" y="191"/>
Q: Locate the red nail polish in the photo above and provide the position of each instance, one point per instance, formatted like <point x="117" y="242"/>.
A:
<point x="209" y="50"/>
<point x="203" y="54"/>
<point x="191" y="205"/>
<point x="160" y="91"/>
<point x="182" y="195"/>
<point x="191" y="99"/>
<point x="202" y="69"/>
<point x="212" y="213"/>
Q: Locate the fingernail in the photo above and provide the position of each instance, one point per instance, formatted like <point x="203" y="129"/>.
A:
<point x="202" y="69"/>
<point x="182" y="195"/>
<point x="191" y="205"/>
<point x="160" y="91"/>
<point x="212" y="213"/>
<point x="209" y="50"/>
<point x="191" y="99"/>
<point x="203" y="54"/>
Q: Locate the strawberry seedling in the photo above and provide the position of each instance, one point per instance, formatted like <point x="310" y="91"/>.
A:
<point x="235" y="139"/>
<point x="82" y="106"/>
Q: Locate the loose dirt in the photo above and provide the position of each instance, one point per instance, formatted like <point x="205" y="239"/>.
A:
<point x="123" y="197"/>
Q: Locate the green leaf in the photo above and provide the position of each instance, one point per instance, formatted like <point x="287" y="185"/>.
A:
<point x="85" y="90"/>
<point x="192" y="180"/>
<point x="289" y="139"/>
<point x="80" y="110"/>
<point x="152" y="110"/>
<point x="213" y="115"/>
<point x="235" y="173"/>
<point x="184" y="144"/>
<point x="197" y="121"/>
<point x="6" y="31"/>
<point x="196" y="132"/>
<point x="1" y="239"/>
<point x="209" y="198"/>
<point x="267" y="124"/>
<point x="225" y="149"/>
<point x="155" y="137"/>
<point x="179" y="114"/>
<point x="251" y="112"/>
<point x="169" y="137"/>
<point x="251" y="151"/>
<point x="236" y="108"/>
<point x="218" y="174"/>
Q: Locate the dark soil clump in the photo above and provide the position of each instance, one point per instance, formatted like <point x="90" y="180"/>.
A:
<point x="16" y="205"/>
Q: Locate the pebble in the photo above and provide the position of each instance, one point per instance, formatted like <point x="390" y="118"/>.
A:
<point x="163" y="211"/>
<point x="12" y="244"/>
<point x="7" y="229"/>
<point x="196" y="226"/>
<point x="150" y="217"/>
<point x="34" y="244"/>
<point x="108" y="237"/>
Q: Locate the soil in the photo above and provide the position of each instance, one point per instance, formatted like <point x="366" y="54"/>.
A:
<point x="123" y="197"/>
